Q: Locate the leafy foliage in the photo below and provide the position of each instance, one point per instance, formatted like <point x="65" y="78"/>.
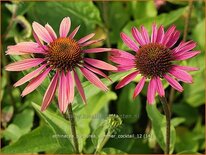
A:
<point x="25" y="129"/>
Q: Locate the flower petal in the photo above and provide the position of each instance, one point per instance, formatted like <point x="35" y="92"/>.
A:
<point x="187" y="68"/>
<point x="87" y="37"/>
<point x="185" y="47"/>
<point x="79" y="86"/>
<point x="152" y="87"/>
<point x="138" y="36"/>
<point x="50" y="92"/>
<point x="99" y="64"/>
<point x="71" y="87"/>
<point x="145" y="35"/>
<point x="25" y="48"/>
<point x="185" y="55"/>
<point x="51" y="31"/>
<point x="129" y="42"/>
<point x="174" y="38"/>
<point x="74" y="32"/>
<point x="29" y="76"/>
<point x="123" y="61"/>
<point x="181" y="74"/>
<point x="160" y="34"/>
<point x="168" y="34"/>
<point x="160" y="88"/>
<point x="64" y="27"/>
<point x="63" y="95"/>
<point x="96" y="50"/>
<point x="93" y="79"/>
<point x="122" y="54"/>
<point x="41" y="32"/>
<point x="24" y="64"/>
<point x="154" y="33"/>
<point x="35" y="82"/>
<point x="173" y="83"/>
<point x="139" y="87"/>
<point x="97" y="71"/>
<point x="127" y="80"/>
<point x="91" y="42"/>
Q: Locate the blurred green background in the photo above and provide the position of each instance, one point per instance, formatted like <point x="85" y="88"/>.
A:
<point x="24" y="129"/>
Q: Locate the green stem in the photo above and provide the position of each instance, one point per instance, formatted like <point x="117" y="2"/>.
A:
<point x="104" y="141"/>
<point x="73" y="129"/>
<point x="168" y="118"/>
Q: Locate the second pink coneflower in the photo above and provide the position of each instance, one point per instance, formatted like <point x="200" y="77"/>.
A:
<point x="155" y="59"/>
<point x="61" y="56"/>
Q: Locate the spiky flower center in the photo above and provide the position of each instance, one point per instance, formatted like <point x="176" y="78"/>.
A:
<point x="153" y="60"/>
<point x="64" y="54"/>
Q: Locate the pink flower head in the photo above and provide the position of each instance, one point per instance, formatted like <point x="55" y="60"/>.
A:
<point x="154" y="60"/>
<point x="62" y="56"/>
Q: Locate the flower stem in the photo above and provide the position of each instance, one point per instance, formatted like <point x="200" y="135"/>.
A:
<point x="104" y="141"/>
<point x="73" y="129"/>
<point x="168" y="118"/>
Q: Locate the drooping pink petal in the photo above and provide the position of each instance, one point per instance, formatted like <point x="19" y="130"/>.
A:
<point x="139" y="87"/>
<point x="64" y="27"/>
<point x="152" y="87"/>
<point x="84" y="39"/>
<point x="51" y="31"/>
<point x="181" y="74"/>
<point x="174" y="38"/>
<point x="50" y="92"/>
<point x="62" y="95"/>
<point x="99" y="64"/>
<point x="93" y="79"/>
<point x="41" y="32"/>
<point x="160" y="88"/>
<point x="138" y="36"/>
<point x="127" y="80"/>
<point x="96" y="50"/>
<point x="187" y="68"/>
<point x="123" y="61"/>
<point x="37" y="38"/>
<point x="185" y="55"/>
<point x="35" y="82"/>
<point x="168" y="34"/>
<point x="24" y="64"/>
<point x="122" y="54"/>
<point x="29" y="76"/>
<point x="97" y="71"/>
<point x="154" y="33"/>
<point x="145" y="35"/>
<point x="160" y="34"/>
<point x="74" y="32"/>
<point x="71" y="87"/>
<point x="185" y="46"/>
<point x="79" y="86"/>
<point x="122" y="68"/>
<point x="91" y="42"/>
<point x="129" y="42"/>
<point x="25" y="48"/>
<point x="173" y="83"/>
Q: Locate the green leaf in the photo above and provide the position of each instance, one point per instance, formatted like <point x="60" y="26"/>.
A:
<point x="185" y="111"/>
<point x="59" y="125"/>
<point x="128" y="108"/>
<point x="159" y="127"/>
<point x="148" y="7"/>
<point x="81" y="13"/>
<point x="177" y="121"/>
<point x="39" y="140"/>
<point x="188" y="152"/>
<point x="21" y="125"/>
<point x="112" y="151"/>
<point x="163" y="19"/>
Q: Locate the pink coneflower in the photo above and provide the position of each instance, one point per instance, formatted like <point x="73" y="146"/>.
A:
<point x="154" y="60"/>
<point x="60" y="56"/>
